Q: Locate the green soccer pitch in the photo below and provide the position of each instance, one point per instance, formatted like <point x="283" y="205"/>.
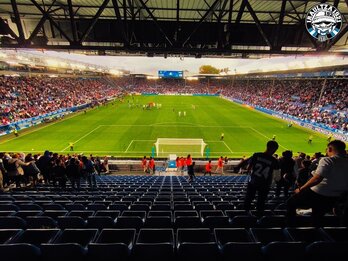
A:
<point x="119" y="129"/>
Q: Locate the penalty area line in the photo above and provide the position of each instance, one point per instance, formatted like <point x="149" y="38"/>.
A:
<point x="84" y="136"/>
<point x="129" y="146"/>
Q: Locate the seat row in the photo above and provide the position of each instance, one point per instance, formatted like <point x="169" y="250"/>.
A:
<point x="164" y="244"/>
<point x="152" y="219"/>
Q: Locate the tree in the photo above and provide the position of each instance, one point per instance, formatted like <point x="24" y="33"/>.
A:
<point x="208" y="69"/>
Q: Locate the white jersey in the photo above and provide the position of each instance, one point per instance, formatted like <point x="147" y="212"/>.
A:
<point x="334" y="171"/>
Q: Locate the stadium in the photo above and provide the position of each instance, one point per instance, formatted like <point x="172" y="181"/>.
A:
<point x="173" y="129"/>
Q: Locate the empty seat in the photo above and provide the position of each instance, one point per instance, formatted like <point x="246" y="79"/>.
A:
<point x="185" y="213"/>
<point x="40" y="222"/>
<point x="327" y="250"/>
<point x="130" y="213"/>
<point x="241" y="251"/>
<point x="9" y="234"/>
<point x="244" y="221"/>
<point x="226" y="235"/>
<point x="307" y="235"/>
<point x="272" y="221"/>
<point x="267" y="235"/>
<point x="55" y="213"/>
<point x="210" y="213"/>
<point x="96" y="207"/>
<point x="8" y="207"/>
<point x="108" y="213"/>
<point x="70" y="244"/>
<point x="287" y="251"/>
<point x="112" y="243"/>
<point x="216" y="222"/>
<point x="36" y="236"/>
<point x="30" y="206"/>
<point x="161" y="207"/>
<point x="163" y="213"/>
<point x="20" y="251"/>
<point x="25" y="213"/>
<point x="187" y="222"/>
<point x="337" y="234"/>
<point x="198" y="251"/>
<point x="129" y="222"/>
<point x="100" y="222"/>
<point x="155" y="236"/>
<point x="75" y="206"/>
<point x="71" y="222"/>
<point x="12" y="222"/>
<point x="81" y="213"/>
<point x="200" y="235"/>
<point x="158" y="222"/>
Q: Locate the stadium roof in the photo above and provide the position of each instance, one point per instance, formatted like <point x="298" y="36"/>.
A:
<point x="235" y="28"/>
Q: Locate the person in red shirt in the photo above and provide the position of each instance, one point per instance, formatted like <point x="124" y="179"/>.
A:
<point x="178" y="164"/>
<point x="144" y="164"/>
<point x="208" y="168"/>
<point x="220" y="166"/>
<point x="188" y="160"/>
<point x="182" y="165"/>
<point x="152" y="165"/>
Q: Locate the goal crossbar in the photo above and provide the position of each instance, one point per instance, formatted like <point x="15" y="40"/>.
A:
<point x="181" y="142"/>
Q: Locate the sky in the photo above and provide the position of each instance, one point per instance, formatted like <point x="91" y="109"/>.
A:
<point x="151" y="65"/>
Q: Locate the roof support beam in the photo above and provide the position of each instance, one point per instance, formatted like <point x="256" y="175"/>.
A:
<point x="280" y="23"/>
<point x="229" y="25"/>
<point x="51" y="20"/>
<point x="258" y="24"/>
<point x="337" y="38"/>
<point x="222" y="10"/>
<point x="21" y="38"/>
<point x="213" y="13"/>
<point x="38" y="27"/>
<point x="119" y="19"/>
<point x="336" y="2"/>
<point x="241" y="11"/>
<point x="72" y="21"/>
<point x="156" y="23"/>
<point x="8" y="29"/>
<point x="94" y="20"/>
<point x="211" y="9"/>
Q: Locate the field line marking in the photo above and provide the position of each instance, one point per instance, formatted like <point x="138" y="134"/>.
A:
<point x="84" y="136"/>
<point x="129" y="145"/>
<point x="267" y="137"/>
<point x="227" y="146"/>
<point x="176" y="125"/>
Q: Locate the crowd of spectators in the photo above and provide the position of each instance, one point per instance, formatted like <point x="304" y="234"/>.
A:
<point x="21" y="170"/>
<point x="26" y="97"/>
<point x="303" y="99"/>
<point x="306" y="99"/>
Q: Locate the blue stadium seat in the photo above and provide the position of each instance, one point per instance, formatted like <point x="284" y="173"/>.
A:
<point x="40" y="222"/>
<point x="286" y="251"/>
<point x="12" y="222"/>
<point x="9" y="234"/>
<point x="20" y="252"/>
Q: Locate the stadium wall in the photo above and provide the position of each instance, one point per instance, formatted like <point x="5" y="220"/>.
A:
<point x="26" y="123"/>
<point x="306" y="124"/>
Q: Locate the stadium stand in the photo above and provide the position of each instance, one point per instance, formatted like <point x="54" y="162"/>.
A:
<point x="172" y="233"/>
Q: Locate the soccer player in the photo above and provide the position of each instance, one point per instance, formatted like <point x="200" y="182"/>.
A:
<point x="222" y="136"/>
<point x="208" y="168"/>
<point x="329" y="137"/>
<point x="179" y="113"/>
<point x="144" y="164"/>
<point x="184" y="113"/>
<point x="274" y="137"/>
<point x="290" y="124"/>
<point x="220" y="165"/>
<point x="15" y="132"/>
<point x="71" y="145"/>
<point x="310" y="139"/>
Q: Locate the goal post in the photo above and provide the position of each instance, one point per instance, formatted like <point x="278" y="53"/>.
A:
<point x="166" y="146"/>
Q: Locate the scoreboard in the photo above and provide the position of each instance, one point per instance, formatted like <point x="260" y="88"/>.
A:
<point x="170" y="74"/>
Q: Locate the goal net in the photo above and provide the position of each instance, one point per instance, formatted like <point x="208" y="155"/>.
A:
<point x="166" y="146"/>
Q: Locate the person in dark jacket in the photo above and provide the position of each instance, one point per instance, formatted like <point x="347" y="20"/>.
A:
<point x="73" y="173"/>
<point x="287" y="177"/>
